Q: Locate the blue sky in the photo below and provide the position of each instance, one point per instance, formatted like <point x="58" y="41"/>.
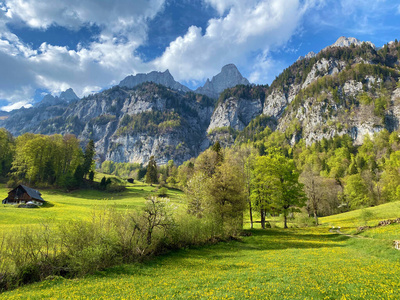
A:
<point x="89" y="45"/>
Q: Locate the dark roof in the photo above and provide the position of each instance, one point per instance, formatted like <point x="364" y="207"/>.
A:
<point x="33" y="193"/>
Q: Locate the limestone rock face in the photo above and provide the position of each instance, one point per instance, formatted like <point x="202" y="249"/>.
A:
<point x="163" y="78"/>
<point x="275" y="104"/>
<point x="65" y="98"/>
<point x="235" y="112"/>
<point x="322" y="68"/>
<point x="348" y="41"/>
<point x="227" y="78"/>
<point x="69" y="96"/>
<point x="316" y="119"/>
<point x="315" y="98"/>
<point x="309" y="55"/>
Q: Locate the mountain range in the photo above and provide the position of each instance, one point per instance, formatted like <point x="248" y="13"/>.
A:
<point x="350" y="87"/>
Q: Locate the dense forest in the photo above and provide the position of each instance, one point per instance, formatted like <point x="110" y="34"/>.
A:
<point x="53" y="160"/>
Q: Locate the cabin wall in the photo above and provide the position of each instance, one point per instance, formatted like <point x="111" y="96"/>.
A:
<point x="21" y="199"/>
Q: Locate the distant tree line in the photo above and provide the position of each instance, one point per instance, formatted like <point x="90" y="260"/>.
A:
<point x="330" y="176"/>
<point x="37" y="159"/>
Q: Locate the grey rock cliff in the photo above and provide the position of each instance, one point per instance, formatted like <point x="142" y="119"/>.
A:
<point x="163" y="78"/>
<point x="235" y="112"/>
<point x="227" y="78"/>
<point x="348" y="41"/>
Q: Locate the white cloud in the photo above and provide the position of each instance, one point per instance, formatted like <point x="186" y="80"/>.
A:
<point x="16" y="105"/>
<point x="221" y="5"/>
<point x="250" y="26"/>
<point x="123" y="25"/>
<point x="116" y="15"/>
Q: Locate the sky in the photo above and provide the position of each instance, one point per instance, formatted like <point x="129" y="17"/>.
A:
<point x="91" y="45"/>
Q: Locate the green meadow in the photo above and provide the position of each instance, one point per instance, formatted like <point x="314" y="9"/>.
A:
<point x="79" y="204"/>
<point x="296" y="263"/>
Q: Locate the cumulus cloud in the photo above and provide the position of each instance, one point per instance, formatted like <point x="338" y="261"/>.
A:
<point x="115" y="15"/>
<point x="16" y="105"/>
<point x="249" y="26"/>
<point x="123" y="25"/>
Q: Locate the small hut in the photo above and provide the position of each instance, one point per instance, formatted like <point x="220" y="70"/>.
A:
<point x="22" y="195"/>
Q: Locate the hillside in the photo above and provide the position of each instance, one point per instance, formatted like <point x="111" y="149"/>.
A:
<point x="347" y="88"/>
<point x="266" y="264"/>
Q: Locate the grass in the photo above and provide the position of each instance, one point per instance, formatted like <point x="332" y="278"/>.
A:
<point x="367" y="216"/>
<point x="297" y="263"/>
<point x="273" y="264"/>
<point x="77" y="204"/>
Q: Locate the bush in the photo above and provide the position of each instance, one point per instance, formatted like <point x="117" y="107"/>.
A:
<point x="111" y="237"/>
<point x="162" y="192"/>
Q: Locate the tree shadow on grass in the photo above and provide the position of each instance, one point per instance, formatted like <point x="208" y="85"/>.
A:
<point x="231" y="254"/>
<point x="47" y="204"/>
<point x="280" y="239"/>
<point x="89" y="194"/>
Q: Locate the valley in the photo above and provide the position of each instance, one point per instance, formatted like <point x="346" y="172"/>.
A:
<point x="296" y="263"/>
<point x="235" y="190"/>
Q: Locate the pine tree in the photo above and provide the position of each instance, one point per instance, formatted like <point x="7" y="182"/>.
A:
<point x="88" y="157"/>
<point x="151" y="174"/>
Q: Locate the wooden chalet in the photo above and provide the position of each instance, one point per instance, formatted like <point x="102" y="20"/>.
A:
<point x="22" y="195"/>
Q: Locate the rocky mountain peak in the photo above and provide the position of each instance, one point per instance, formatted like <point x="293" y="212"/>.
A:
<point x="347" y="41"/>
<point x="65" y="97"/>
<point x="227" y="78"/>
<point x="69" y="96"/>
<point x="165" y="78"/>
<point x="310" y="54"/>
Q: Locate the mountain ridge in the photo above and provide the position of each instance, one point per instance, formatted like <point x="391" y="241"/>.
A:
<point x="350" y="90"/>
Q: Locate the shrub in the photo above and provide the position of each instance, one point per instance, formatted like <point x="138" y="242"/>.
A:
<point x="162" y="192"/>
<point x="110" y="237"/>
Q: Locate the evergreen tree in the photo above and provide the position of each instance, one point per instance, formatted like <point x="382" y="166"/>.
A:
<point x="88" y="157"/>
<point x="151" y="174"/>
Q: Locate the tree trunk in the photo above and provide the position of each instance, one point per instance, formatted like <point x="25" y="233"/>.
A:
<point x="285" y="220"/>
<point x="263" y="218"/>
<point x="149" y="233"/>
<point x="316" y="217"/>
<point x="251" y="215"/>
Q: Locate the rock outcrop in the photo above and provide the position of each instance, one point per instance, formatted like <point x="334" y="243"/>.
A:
<point x="348" y="41"/>
<point x="65" y="98"/>
<point x="348" y="88"/>
<point x="235" y="112"/>
<point x="227" y="78"/>
<point x="163" y="78"/>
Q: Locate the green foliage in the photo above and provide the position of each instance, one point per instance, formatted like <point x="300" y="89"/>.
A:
<point x="123" y="170"/>
<point x="162" y="192"/>
<point x="7" y="151"/>
<point x="356" y="191"/>
<point x="258" y="129"/>
<point x="82" y="246"/>
<point x="88" y="156"/>
<point x="226" y="199"/>
<point x="244" y="92"/>
<point x="47" y="159"/>
<point x="103" y="119"/>
<point x="152" y="122"/>
<point x="364" y="99"/>
<point x="152" y="172"/>
<point x="276" y="187"/>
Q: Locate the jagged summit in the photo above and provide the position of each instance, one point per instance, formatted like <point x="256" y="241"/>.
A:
<point x="340" y="42"/>
<point x="308" y="55"/>
<point x="348" y="41"/>
<point x="165" y="78"/>
<point x="65" y="97"/>
<point x="227" y="78"/>
<point x="69" y="96"/>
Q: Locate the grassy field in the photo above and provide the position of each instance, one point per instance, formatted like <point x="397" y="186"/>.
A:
<point x="78" y="204"/>
<point x="297" y="263"/>
<point x="272" y="264"/>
